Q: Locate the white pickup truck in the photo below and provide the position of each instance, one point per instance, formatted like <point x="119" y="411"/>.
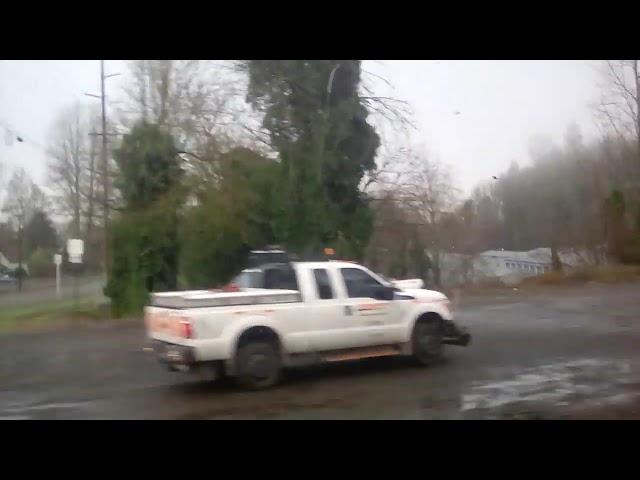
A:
<point x="295" y="314"/>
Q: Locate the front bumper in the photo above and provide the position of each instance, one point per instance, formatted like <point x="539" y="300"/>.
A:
<point x="456" y="335"/>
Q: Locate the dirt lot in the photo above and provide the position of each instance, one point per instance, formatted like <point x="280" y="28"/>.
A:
<point x="544" y="353"/>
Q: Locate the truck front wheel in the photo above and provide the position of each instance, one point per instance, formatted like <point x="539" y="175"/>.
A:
<point x="427" y="340"/>
<point x="258" y="365"/>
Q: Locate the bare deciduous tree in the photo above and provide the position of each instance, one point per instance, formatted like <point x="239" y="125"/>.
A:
<point x="620" y="102"/>
<point x="196" y="99"/>
<point x="73" y="172"/>
<point x="2" y="187"/>
<point x="427" y="187"/>
<point x="23" y="199"/>
<point x="67" y="166"/>
<point x="201" y="102"/>
<point x="413" y="194"/>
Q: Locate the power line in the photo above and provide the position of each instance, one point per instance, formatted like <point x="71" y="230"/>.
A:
<point x="68" y="83"/>
<point x="12" y="133"/>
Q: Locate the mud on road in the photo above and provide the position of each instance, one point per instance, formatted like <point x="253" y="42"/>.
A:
<point x="545" y="354"/>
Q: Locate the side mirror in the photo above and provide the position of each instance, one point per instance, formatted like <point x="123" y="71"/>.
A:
<point x="383" y="293"/>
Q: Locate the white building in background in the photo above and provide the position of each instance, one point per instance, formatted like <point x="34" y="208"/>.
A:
<point x="504" y="265"/>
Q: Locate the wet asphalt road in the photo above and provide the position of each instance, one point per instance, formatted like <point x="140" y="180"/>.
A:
<point x="536" y="354"/>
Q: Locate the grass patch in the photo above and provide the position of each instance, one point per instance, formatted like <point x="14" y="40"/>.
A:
<point x="603" y="274"/>
<point x="549" y="278"/>
<point x="50" y="314"/>
<point x="488" y="286"/>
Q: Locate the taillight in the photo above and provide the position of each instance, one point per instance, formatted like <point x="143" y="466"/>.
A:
<point x="187" y="329"/>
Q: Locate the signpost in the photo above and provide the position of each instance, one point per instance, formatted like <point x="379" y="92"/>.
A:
<point x="57" y="260"/>
<point x="75" y="249"/>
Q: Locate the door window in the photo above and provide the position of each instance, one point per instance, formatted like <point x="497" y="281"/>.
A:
<point x="359" y="283"/>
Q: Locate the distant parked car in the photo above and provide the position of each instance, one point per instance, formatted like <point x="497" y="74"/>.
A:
<point x="18" y="272"/>
<point x="7" y="283"/>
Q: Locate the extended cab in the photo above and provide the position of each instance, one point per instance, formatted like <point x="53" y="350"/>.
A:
<point x="298" y="313"/>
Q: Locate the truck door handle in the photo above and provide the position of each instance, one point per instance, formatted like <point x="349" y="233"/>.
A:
<point x="347" y="310"/>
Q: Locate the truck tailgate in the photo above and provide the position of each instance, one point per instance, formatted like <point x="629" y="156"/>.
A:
<point x="168" y="325"/>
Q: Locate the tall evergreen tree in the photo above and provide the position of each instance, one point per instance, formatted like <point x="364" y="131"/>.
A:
<point x="317" y="122"/>
<point x="145" y="236"/>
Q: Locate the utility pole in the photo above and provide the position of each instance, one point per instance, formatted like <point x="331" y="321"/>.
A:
<point x="105" y="165"/>
<point x="20" y="252"/>
<point x="92" y="188"/>
<point x="76" y="233"/>
<point x="105" y="159"/>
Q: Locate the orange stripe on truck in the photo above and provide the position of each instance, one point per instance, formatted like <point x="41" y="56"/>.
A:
<point x="360" y="354"/>
<point x="371" y="306"/>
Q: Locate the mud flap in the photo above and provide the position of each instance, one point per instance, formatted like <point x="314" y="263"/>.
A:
<point x="461" y="338"/>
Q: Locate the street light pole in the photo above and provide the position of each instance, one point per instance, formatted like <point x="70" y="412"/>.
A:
<point x="325" y="123"/>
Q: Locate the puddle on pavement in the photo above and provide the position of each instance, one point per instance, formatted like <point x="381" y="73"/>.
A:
<point x="17" y="406"/>
<point x="553" y="385"/>
<point x="48" y="406"/>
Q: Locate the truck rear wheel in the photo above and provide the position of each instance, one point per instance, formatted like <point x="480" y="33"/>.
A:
<point x="427" y="340"/>
<point x="258" y="365"/>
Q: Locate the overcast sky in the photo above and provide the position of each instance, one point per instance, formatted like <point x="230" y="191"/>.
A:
<point x="501" y="104"/>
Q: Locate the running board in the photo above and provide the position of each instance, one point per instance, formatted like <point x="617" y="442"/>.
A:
<point x="360" y="353"/>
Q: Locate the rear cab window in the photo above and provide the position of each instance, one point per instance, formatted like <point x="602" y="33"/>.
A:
<point x="249" y="279"/>
<point x="280" y="278"/>
<point x="273" y="277"/>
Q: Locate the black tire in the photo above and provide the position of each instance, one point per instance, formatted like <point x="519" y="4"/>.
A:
<point x="427" y="341"/>
<point x="258" y="366"/>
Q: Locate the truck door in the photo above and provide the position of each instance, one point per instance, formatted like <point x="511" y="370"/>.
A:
<point x="368" y="319"/>
<point x="328" y="325"/>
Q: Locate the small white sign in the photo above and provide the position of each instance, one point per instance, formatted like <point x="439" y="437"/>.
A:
<point x="75" y="258"/>
<point x="57" y="259"/>
<point x="75" y="247"/>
